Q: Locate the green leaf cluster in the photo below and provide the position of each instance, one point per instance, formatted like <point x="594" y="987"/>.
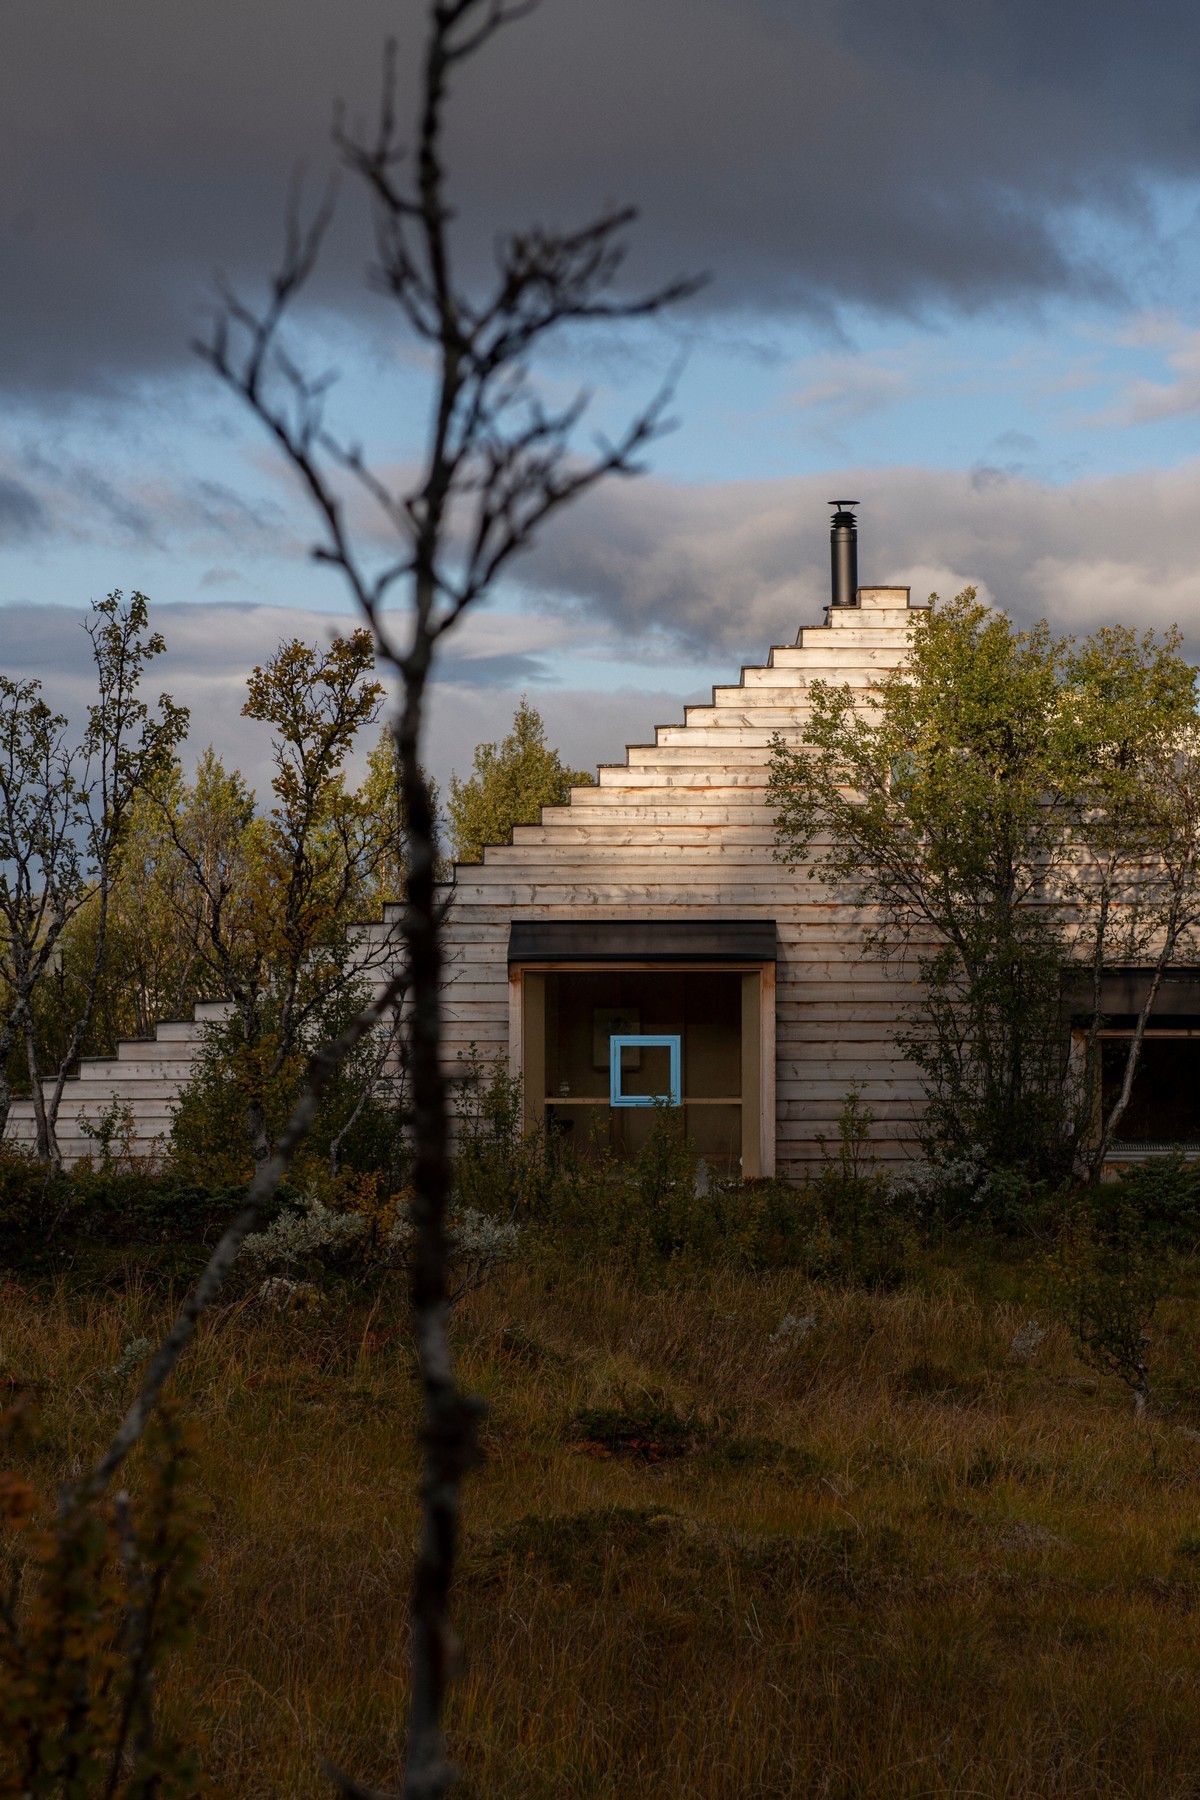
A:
<point x="1004" y="805"/>
<point x="510" y="783"/>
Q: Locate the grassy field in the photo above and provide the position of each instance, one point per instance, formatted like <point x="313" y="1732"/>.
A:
<point x="872" y="1553"/>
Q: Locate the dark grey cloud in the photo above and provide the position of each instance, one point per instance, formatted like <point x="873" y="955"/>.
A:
<point x="720" y="570"/>
<point x="21" y="512"/>
<point x="943" y="152"/>
<point x="147" y="506"/>
<point x="212" y="646"/>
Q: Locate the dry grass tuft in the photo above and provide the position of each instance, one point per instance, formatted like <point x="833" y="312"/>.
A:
<point x="873" y="1554"/>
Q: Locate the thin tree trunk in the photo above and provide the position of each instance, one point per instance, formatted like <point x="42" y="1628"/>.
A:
<point x="82" y="1027"/>
<point x="1109" y="1131"/>
<point x="450" y="1418"/>
<point x="36" y="1089"/>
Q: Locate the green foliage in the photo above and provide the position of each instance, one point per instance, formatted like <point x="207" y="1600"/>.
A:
<point x="387" y="817"/>
<point x="1161" y="1197"/>
<point x="646" y="1429"/>
<point x="96" y="1602"/>
<point x="510" y="783"/>
<point x="864" y="1231"/>
<point x="499" y="1169"/>
<point x="64" y="812"/>
<point x="992" y="799"/>
<point x="47" y="1215"/>
<point x="664" y="1207"/>
<point x="189" y="845"/>
<point x="279" y="919"/>
<point x="1111" y="1267"/>
<point x="358" y="1124"/>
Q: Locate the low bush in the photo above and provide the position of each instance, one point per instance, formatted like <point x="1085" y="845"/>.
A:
<point x="356" y="1244"/>
<point x="665" y="1206"/>
<point x="1159" y="1198"/>
<point x="44" y="1213"/>
<point x="1114" y="1262"/>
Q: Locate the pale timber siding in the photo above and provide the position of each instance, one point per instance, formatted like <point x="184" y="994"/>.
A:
<point x="682" y="828"/>
<point x="143" y="1080"/>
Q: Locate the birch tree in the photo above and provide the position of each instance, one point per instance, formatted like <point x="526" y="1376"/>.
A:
<point x="277" y="906"/>
<point x="63" y="813"/>
<point x="1014" y="810"/>
<point x="497" y="462"/>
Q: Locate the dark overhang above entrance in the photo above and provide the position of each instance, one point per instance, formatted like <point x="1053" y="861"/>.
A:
<point x="1123" y="993"/>
<point x="642" y="940"/>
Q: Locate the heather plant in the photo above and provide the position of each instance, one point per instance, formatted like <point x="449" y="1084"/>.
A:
<point x="94" y="1603"/>
<point x="358" y="1246"/>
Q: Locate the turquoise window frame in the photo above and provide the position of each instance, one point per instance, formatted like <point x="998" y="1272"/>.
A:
<point x="640" y="1041"/>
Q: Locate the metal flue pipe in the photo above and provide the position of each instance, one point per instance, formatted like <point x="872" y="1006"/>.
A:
<point x="843" y="553"/>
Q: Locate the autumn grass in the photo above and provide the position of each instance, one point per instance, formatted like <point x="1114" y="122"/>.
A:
<point x="876" y="1556"/>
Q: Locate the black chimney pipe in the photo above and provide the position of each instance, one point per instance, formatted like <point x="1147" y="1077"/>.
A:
<point x="843" y="553"/>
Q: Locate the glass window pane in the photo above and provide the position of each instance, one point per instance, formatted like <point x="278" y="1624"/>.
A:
<point x="703" y="1008"/>
<point x="1164" y="1106"/>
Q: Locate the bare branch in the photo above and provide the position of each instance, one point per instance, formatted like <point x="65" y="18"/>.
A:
<point x="261" y="1190"/>
<point x="497" y="465"/>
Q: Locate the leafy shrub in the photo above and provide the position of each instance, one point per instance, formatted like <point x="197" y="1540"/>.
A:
<point x="500" y="1168"/>
<point x="1104" y="1280"/>
<point x="646" y="1430"/>
<point x="664" y="1206"/>
<point x="358" y="1124"/>
<point x="864" y="1226"/>
<point x="43" y="1213"/>
<point x="1162" y="1195"/>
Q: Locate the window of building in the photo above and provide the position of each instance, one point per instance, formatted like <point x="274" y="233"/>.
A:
<point x="692" y="1005"/>
<point x="1164" y="1107"/>
<point x="583" y="1011"/>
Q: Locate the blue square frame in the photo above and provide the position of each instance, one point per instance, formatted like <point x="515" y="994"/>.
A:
<point x="639" y="1041"/>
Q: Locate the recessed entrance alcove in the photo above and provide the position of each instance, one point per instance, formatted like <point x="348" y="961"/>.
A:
<point x="692" y="1005"/>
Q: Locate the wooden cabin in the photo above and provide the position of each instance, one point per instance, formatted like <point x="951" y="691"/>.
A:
<point x="649" y="910"/>
<point x="643" y="941"/>
<point x="642" y="944"/>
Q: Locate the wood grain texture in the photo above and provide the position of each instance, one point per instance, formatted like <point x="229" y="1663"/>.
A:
<point x="682" y="825"/>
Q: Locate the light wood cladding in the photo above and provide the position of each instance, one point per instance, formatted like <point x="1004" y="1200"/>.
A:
<point x="682" y="826"/>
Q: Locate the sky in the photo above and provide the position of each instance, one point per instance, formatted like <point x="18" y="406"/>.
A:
<point x="953" y="261"/>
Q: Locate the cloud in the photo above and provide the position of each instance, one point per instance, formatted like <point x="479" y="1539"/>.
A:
<point x="683" y="583"/>
<point x="56" y="492"/>
<point x="213" y="646"/>
<point x="846" y="152"/>
<point x="587" y="728"/>
<point x="21" y="512"/>
<point x="837" y="390"/>
<point x="1144" y="401"/>
<point x="725" y="568"/>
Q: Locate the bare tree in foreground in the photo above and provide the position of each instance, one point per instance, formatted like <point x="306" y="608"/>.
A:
<point x="497" y="463"/>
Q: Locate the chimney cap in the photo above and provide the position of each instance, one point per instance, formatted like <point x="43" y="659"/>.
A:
<point x="843" y="505"/>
